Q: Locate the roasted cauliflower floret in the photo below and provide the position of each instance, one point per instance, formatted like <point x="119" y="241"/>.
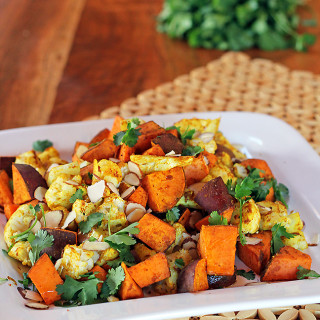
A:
<point x="108" y="171"/>
<point x="149" y="164"/>
<point x="50" y="156"/>
<point x="210" y="146"/>
<point x="20" y="252"/>
<point x="200" y="125"/>
<point x="31" y="159"/>
<point x="68" y="171"/>
<point x="143" y="252"/>
<point x="272" y="213"/>
<point x="250" y="217"/>
<point x="60" y="192"/>
<point x="295" y="223"/>
<point x="83" y="209"/>
<point x="76" y="261"/>
<point x="219" y="169"/>
<point x="107" y="255"/>
<point x="298" y="241"/>
<point x="19" y="222"/>
<point x="113" y="207"/>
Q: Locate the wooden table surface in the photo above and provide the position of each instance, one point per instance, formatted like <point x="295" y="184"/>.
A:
<point x="65" y="60"/>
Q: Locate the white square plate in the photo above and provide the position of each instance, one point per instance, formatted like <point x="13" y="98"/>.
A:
<point x="293" y="163"/>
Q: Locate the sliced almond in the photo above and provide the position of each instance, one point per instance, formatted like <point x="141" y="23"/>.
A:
<point x="314" y="308"/>
<point x="95" y="191"/>
<point x="227" y="314"/>
<point x="114" y="160"/>
<point x="263" y="209"/>
<point x="247" y="314"/>
<point x="84" y="164"/>
<point x="132" y="179"/>
<point x="40" y="193"/>
<point x="278" y="310"/>
<point x="52" y="218"/>
<point x="252" y="241"/>
<point x="314" y="240"/>
<point x="133" y="206"/>
<point x="196" y="187"/>
<point x="206" y="160"/>
<point x="72" y="183"/>
<point x="127" y="193"/>
<point x="290" y="314"/>
<point x="189" y="245"/>
<point x="206" y="137"/>
<point x="135" y="215"/>
<point x="252" y="284"/>
<point x="53" y="165"/>
<point x="133" y="167"/>
<point x="36" y="227"/>
<point x="71" y="216"/>
<point x="36" y="305"/>
<point x="95" y="245"/>
<point x="266" y="314"/>
<point x="113" y="188"/>
<point x="208" y="317"/>
<point x="305" y="314"/>
<point x="30" y="295"/>
<point x="170" y="154"/>
<point x="58" y="264"/>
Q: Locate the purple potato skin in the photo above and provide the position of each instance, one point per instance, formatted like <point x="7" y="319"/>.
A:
<point x="217" y="282"/>
<point x="31" y="177"/>
<point x="186" y="277"/>
<point x="214" y="196"/>
<point x="6" y="164"/>
<point x="169" y="142"/>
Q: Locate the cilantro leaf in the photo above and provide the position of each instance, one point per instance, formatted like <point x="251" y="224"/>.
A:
<point x="130" y="136"/>
<point x="77" y="195"/>
<point x="217" y="219"/>
<point x="26" y="281"/>
<point x="173" y="214"/>
<point x="125" y="254"/>
<point x="122" y="236"/>
<point x="84" y="292"/>
<point x="304" y="273"/>
<point x="278" y="231"/>
<point x="3" y="280"/>
<point x="191" y="151"/>
<point x="38" y="242"/>
<point x="92" y="220"/>
<point x="249" y="275"/>
<point x="187" y="135"/>
<point x="41" y="145"/>
<point x="113" y="282"/>
<point x="179" y="263"/>
<point x="281" y="192"/>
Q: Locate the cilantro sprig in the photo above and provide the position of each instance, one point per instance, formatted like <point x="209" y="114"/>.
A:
<point x="191" y="150"/>
<point x="122" y="236"/>
<point x="173" y="215"/>
<point x="217" y="219"/>
<point x="179" y="263"/>
<point x="130" y="136"/>
<point x="38" y="242"/>
<point x="242" y="191"/>
<point x="187" y="135"/>
<point x="304" y="273"/>
<point x="281" y="192"/>
<point x="41" y="145"/>
<point x="77" y="195"/>
<point x="92" y="220"/>
<point x="278" y="231"/>
<point x="113" y="282"/>
<point x="249" y="275"/>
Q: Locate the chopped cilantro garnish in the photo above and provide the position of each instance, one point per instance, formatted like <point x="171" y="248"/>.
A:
<point x="191" y="151"/>
<point x="217" y="219"/>
<point x="173" y="214"/>
<point x="113" y="282"/>
<point x="92" y="220"/>
<point x="41" y="145"/>
<point x="249" y="275"/>
<point x="130" y="136"/>
<point x="179" y="263"/>
<point x="122" y="236"/>
<point x="77" y="195"/>
<point x="38" y="242"/>
<point x="304" y="273"/>
<point x="278" y="231"/>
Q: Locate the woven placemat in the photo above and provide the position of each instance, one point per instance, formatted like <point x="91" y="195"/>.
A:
<point x="235" y="82"/>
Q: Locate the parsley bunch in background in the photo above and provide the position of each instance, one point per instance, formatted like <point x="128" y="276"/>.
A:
<point x="237" y="24"/>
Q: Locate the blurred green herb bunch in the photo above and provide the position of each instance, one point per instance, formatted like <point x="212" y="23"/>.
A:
<point x="237" y="24"/>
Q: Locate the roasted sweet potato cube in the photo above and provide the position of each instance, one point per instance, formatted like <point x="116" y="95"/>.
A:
<point x="79" y="149"/>
<point x="168" y="142"/>
<point x="6" y="196"/>
<point x="139" y="196"/>
<point x="26" y="180"/>
<point x="116" y="127"/>
<point x="101" y="135"/>
<point x="205" y="221"/>
<point x="284" y="265"/>
<point x="193" y="277"/>
<point x="196" y="171"/>
<point x="103" y="150"/>
<point x="149" y="271"/>
<point x="214" y="196"/>
<point x="155" y="150"/>
<point x="125" y="152"/>
<point x="129" y="289"/>
<point x="155" y="233"/>
<point x="217" y="244"/>
<point x="185" y="216"/>
<point x="256" y="256"/>
<point x="164" y="188"/>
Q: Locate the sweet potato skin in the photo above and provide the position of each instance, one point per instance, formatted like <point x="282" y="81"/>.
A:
<point x="284" y="265"/>
<point x="164" y="188"/>
<point x="26" y="180"/>
<point x="6" y="164"/>
<point x="217" y="282"/>
<point x="149" y="271"/>
<point x="129" y="289"/>
<point x="168" y="142"/>
<point x="217" y="244"/>
<point x="45" y="277"/>
<point x="193" y="277"/>
<point x="256" y="256"/>
<point x="155" y="233"/>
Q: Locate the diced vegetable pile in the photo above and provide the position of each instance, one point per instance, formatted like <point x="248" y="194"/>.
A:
<point x="144" y="209"/>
